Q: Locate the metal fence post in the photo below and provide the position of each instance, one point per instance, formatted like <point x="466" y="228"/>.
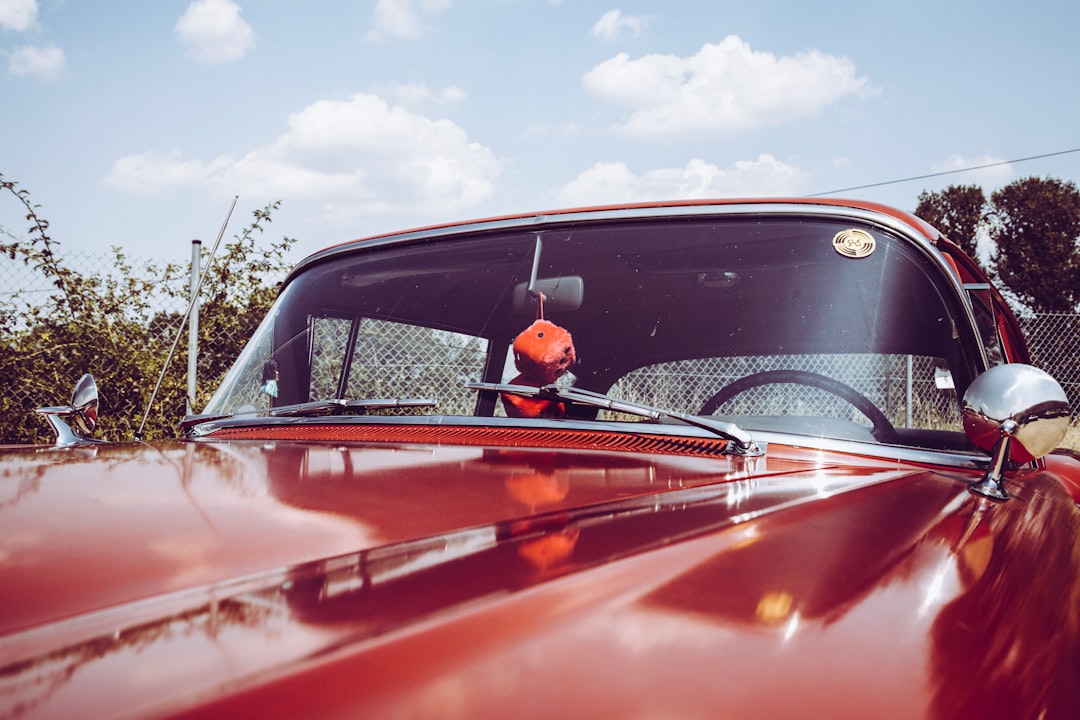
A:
<point x="908" y="396"/>
<point x="193" y="326"/>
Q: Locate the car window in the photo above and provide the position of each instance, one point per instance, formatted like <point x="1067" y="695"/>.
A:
<point x="371" y="358"/>
<point x="982" y="305"/>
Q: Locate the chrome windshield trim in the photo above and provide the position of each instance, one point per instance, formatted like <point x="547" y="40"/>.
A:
<point x="901" y="453"/>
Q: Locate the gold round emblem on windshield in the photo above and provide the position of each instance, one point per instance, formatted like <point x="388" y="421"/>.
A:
<point x="854" y="243"/>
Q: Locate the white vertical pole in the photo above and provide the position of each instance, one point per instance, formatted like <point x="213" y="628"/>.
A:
<point x="909" y="394"/>
<point x="193" y="326"/>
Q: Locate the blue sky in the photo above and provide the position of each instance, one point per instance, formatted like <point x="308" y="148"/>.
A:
<point x="135" y="123"/>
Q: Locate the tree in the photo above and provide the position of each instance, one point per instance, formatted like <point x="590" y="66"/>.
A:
<point x="1035" y="228"/>
<point x="958" y="211"/>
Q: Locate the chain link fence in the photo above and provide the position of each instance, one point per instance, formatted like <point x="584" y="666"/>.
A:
<point x="909" y="390"/>
<point x="158" y="315"/>
<point x="1054" y="343"/>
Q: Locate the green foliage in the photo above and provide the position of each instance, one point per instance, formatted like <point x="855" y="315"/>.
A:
<point x="1036" y="224"/>
<point x="958" y="211"/>
<point x="106" y="325"/>
<point x="1034" y="227"/>
<point x="237" y="291"/>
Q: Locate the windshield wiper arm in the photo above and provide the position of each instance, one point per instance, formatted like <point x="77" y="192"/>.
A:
<point x="740" y="441"/>
<point x="316" y="408"/>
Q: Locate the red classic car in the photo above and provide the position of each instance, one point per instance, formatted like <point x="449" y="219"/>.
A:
<point x="757" y="458"/>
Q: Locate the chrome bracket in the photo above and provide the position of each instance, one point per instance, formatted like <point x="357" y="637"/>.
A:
<point x="992" y="484"/>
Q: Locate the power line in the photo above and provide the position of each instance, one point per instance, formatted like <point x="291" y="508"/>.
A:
<point x="945" y="172"/>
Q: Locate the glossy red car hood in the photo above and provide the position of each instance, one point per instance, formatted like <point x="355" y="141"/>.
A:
<point x="290" y="579"/>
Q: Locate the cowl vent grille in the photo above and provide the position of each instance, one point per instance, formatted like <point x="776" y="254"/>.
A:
<point x="508" y="437"/>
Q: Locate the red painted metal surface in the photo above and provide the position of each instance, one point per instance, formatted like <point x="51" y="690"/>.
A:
<point x="280" y="579"/>
<point x="189" y="514"/>
<point x="920" y="225"/>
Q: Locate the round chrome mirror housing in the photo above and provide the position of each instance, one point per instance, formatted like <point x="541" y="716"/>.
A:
<point x="84" y="401"/>
<point x="73" y="423"/>
<point x="1029" y="397"/>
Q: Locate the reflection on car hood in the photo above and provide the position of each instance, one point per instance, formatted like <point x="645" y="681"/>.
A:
<point x="467" y="580"/>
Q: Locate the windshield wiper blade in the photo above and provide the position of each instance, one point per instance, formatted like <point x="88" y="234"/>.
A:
<point x="316" y="408"/>
<point x="740" y="441"/>
<point x="341" y="407"/>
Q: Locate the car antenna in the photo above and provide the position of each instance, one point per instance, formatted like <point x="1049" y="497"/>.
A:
<point x="184" y="322"/>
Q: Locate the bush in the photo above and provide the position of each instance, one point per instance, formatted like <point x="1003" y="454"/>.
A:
<point x="107" y="325"/>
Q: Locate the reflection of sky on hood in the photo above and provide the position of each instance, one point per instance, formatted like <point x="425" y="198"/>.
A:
<point x="148" y="520"/>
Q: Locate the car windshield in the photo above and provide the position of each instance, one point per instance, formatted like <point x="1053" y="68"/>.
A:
<point x="817" y="326"/>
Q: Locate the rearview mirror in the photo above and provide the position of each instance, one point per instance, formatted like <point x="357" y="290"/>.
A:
<point x="560" y="294"/>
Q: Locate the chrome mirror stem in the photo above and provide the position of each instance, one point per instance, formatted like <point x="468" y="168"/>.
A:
<point x="992" y="485"/>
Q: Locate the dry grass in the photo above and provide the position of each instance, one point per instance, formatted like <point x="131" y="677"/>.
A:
<point x="1072" y="437"/>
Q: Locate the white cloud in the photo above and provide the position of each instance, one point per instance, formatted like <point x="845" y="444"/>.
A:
<point x="726" y="86"/>
<point x="18" y="15"/>
<point x="404" y="19"/>
<point x="614" y="182"/>
<point x="998" y="174"/>
<point x="39" y="62"/>
<point x="214" y="31"/>
<point x="354" y="157"/>
<point x="149" y="172"/>
<point x="613" y="25"/>
<point x="415" y="96"/>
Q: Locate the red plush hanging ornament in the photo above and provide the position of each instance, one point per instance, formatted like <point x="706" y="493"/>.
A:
<point x="543" y="353"/>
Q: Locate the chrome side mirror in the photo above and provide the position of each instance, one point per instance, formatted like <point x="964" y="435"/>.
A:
<point x="1017" y="413"/>
<point x="74" y="423"/>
